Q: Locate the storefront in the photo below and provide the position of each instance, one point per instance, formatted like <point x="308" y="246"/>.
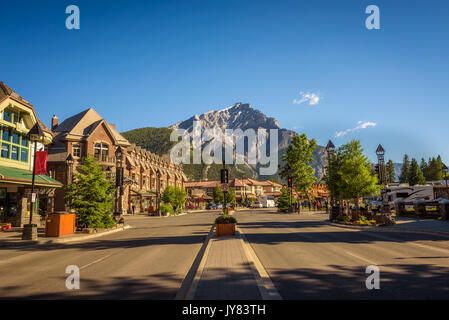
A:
<point x="15" y="194"/>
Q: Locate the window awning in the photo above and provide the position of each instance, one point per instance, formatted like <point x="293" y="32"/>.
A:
<point x="21" y="176"/>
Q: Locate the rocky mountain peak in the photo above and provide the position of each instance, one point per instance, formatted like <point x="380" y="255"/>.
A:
<point x="239" y="116"/>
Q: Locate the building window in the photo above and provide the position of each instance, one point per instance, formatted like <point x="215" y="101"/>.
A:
<point x="76" y="150"/>
<point x="101" y="151"/>
<point x="13" y="145"/>
<point x="5" y="150"/>
<point x="14" y="153"/>
<point x="7" y="115"/>
<point x="23" y="155"/>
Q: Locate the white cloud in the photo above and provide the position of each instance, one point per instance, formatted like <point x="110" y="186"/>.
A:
<point x="360" y="125"/>
<point x="308" y="97"/>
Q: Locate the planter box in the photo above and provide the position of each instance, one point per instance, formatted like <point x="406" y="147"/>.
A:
<point x="225" y="229"/>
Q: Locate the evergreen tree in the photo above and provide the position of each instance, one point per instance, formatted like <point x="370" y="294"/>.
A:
<point x="435" y="169"/>
<point x="390" y="171"/>
<point x="92" y="196"/>
<point x="424" y="168"/>
<point x="403" y="178"/>
<point x="283" y="202"/>
<point x="415" y="174"/>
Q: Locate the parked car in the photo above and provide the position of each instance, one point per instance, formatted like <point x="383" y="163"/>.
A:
<point x="211" y="206"/>
<point x="219" y="206"/>
<point x="256" y="204"/>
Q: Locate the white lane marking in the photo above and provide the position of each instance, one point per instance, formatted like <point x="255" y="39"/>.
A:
<point x="96" y="261"/>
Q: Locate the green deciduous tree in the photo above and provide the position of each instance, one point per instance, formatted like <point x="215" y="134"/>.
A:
<point x="349" y="175"/>
<point x="297" y="163"/>
<point x="230" y="196"/>
<point x="217" y="195"/>
<point x="92" y="196"/>
<point x="175" y="196"/>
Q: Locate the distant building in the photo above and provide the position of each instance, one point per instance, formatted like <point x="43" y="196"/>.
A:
<point x="245" y="190"/>
<point x="17" y="117"/>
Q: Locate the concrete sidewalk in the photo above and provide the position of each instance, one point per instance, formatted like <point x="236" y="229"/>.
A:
<point x="14" y="238"/>
<point x="423" y="225"/>
<point x="230" y="270"/>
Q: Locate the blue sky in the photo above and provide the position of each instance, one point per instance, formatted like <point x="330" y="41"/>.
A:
<point x="154" y="63"/>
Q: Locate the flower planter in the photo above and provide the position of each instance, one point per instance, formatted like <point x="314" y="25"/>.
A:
<point x="225" y="229"/>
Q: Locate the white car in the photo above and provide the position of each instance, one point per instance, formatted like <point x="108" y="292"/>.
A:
<point x="256" y="204"/>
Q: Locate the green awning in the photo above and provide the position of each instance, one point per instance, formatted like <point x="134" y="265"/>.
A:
<point x="21" y="176"/>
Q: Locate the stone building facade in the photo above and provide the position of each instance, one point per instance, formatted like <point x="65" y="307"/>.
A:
<point x="88" y="134"/>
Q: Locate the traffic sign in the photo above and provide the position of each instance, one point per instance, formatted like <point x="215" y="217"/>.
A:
<point x="224" y="187"/>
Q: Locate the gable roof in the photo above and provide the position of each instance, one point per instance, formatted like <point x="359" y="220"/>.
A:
<point x="7" y="92"/>
<point x="81" y="125"/>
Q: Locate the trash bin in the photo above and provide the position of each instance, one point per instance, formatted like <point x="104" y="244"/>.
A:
<point x="59" y="224"/>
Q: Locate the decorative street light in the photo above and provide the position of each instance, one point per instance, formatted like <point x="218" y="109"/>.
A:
<point x="158" y="199"/>
<point x="330" y="149"/>
<point x="36" y="134"/>
<point x="119" y="173"/>
<point x="69" y="162"/>
<point x="380" y="152"/>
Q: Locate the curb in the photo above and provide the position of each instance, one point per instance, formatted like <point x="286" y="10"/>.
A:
<point x="266" y="287"/>
<point x="65" y="240"/>
<point x="376" y="229"/>
<point x="190" y="283"/>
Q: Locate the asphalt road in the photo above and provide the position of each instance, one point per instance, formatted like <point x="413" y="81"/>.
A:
<point x="148" y="261"/>
<point x="307" y="258"/>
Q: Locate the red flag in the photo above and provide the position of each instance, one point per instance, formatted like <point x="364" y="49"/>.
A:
<point x="41" y="162"/>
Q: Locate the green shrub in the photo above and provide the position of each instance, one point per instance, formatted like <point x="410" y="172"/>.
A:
<point x="224" y="219"/>
<point x="166" y="208"/>
<point x="343" y="218"/>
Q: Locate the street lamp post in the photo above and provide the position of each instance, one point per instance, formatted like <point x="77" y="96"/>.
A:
<point x="330" y="149"/>
<point x="30" y="230"/>
<point x="158" y="196"/>
<point x="380" y="152"/>
<point x="69" y="162"/>
<point x="119" y="173"/>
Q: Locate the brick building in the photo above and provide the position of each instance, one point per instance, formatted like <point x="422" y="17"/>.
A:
<point x="88" y="134"/>
<point x="141" y="171"/>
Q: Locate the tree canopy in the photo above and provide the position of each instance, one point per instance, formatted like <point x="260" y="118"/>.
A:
<point x="297" y="163"/>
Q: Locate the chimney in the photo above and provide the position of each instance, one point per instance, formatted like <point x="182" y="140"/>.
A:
<point x="54" y="122"/>
<point x="112" y="126"/>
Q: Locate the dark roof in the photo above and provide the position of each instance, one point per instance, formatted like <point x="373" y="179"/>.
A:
<point x="6" y="91"/>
